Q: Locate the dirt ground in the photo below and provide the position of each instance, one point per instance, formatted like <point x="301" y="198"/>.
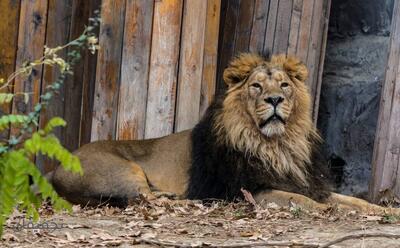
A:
<point x="168" y="223"/>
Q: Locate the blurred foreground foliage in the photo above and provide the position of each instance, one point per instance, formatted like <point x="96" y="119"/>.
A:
<point x="27" y="139"/>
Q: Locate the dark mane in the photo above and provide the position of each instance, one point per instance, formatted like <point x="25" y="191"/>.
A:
<point x="219" y="171"/>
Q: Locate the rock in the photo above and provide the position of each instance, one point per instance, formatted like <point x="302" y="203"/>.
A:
<point x="355" y="62"/>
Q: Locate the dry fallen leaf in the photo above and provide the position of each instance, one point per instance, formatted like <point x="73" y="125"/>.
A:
<point x="246" y="234"/>
<point x="372" y="217"/>
<point x="76" y="208"/>
<point x="9" y="237"/>
<point x="182" y="231"/>
<point x="149" y="235"/>
<point x="69" y="237"/>
<point x="76" y="226"/>
<point x="248" y="197"/>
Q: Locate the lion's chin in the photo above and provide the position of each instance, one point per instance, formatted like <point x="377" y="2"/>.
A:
<point x="275" y="128"/>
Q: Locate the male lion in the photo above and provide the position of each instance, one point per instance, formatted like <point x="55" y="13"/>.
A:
<point x="258" y="136"/>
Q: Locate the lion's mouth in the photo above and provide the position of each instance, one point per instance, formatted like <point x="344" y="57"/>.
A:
<point x="273" y="118"/>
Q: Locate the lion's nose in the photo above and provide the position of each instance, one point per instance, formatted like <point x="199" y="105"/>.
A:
<point x="274" y="100"/>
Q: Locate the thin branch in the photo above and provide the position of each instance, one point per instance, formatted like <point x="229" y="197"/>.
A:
<point x="359" y="236"/>
<point x="271" y="243"/>
<point x="234" y="245"/>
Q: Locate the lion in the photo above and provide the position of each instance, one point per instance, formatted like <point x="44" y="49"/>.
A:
<point x="258" y="135"/>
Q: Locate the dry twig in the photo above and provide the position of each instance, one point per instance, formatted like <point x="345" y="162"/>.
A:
<point x="272" y="243"/>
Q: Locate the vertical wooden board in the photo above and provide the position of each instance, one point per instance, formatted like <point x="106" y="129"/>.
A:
<point x="135" y="69"/>
<point x="108" y="70"/>
<point x="258" y="29"/>
<point x="191" y="64"/>
<point x="281" y="38"/>
<point x="244" y="26"/>
<point x="391" y="175"/>
<point x="31" y="38"/>
<point x="209" y="77"/>
<point x="89" y="78"/>
<point x="9" y="16"/>
<point x="314" y="46"/>
<point x="271" y="26"/>
<point x="389" y="181"/>
<point x="74" y="83"/>
<point x="380" y="182"/>
<point x="57" y="34"/>
<point x="321" y="57"/>
<point x="226" y="49"/>
<point x="305" y="30"/>
<point x="294" y="26"/>
<point x="163" y="68"/>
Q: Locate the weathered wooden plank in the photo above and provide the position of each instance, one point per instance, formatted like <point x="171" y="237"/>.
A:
<point x="314" y="46"/>
<point x="283" y="19"/>
<point x="385" y="162"/>
<point x="321" y="54"/>
<point x="244" y="26"/>
<point x="305" y="30"/>
<point x="228" y="32"/>
<point x="163" y="68"/>
<point x="135" y="69"/>
<point x="294" y="26"/>
<point x="57" y="34"/>
<point x="258" y="29"/>
<point x="209" y="77"/>
<point x="271" y="26"/>
<point x="108" y="70"/>
<point x="89" y="76"/>
<point x="31" y="38"/>
<point x="191" y="64"/>
<point x="9" y="17"/>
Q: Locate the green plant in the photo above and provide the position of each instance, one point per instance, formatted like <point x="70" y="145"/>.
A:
<point x="296" y="211"/>
<point x="27" y="140"/>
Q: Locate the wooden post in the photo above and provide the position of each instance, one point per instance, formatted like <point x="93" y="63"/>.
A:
<point x="31" y="40"/>
<point x="385" y="179"/>
<point x="191" y="64"/>
<point x="57" y="34"/>
<point x="85" y="75"/>
<point x="135" y="69"/>
<point x="294" y="27"/>
<point x="164" y="61"/>
<point x="108" y="70"/>
<point x="9" y="17"/>
<point x="208" y="82"/>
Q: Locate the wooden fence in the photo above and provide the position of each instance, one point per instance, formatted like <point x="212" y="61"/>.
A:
<point x="295" y="27"/>
<point x="385" y="179"/>
<point x="157" y="69"/>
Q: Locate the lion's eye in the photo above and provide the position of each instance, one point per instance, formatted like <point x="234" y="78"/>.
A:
<point x="284" y="85"/>
<point x="256" y="85"/>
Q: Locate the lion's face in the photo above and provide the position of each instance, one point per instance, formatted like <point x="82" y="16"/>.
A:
<point x="270" y="97"/>
<point x="266" y="112"/>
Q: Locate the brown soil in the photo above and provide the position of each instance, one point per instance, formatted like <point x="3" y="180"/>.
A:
<point x="165" y="222"/>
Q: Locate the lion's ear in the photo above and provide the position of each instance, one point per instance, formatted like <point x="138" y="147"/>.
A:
<point x="296" y="69"/>
<point x="240" y="68"/>
<point x="293" y="66"/>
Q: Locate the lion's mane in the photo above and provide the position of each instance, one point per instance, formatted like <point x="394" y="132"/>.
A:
<point x="229" y="152"/>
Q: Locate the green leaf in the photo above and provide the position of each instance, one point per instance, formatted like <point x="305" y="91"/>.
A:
<point x="50" y="146"/>
<point x="6" y="97"/>
<point x="54" y="122"/>
<point x="7" y="120"/>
